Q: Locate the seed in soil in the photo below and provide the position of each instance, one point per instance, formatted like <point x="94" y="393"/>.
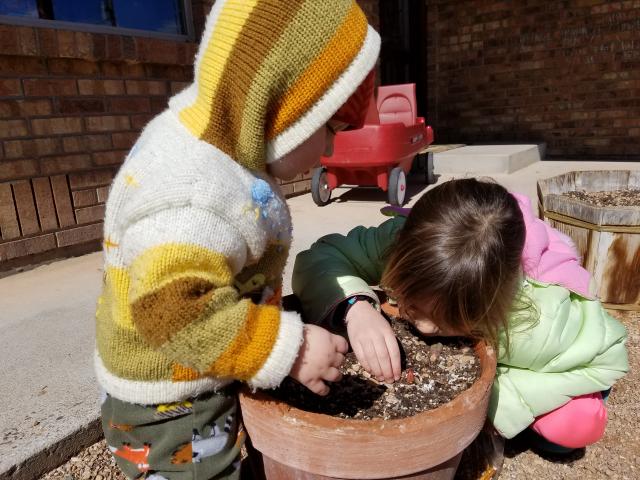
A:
<point x="435" y="371"/>
<point x="613" y="198"/>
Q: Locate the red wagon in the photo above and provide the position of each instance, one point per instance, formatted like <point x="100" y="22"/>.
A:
<point x="381" y="152"/>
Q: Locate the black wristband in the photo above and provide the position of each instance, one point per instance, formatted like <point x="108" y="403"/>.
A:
<point x="351" y="301"/>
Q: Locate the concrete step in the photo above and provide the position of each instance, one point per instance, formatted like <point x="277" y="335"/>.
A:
<point x="486" y="159"/>
<point x="50" y="400"/>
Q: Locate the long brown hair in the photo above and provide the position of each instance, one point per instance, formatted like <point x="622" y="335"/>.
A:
<point x="460" y="249"/>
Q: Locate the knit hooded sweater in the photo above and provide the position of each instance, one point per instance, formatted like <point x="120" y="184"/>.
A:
<point x="196" y="233"/>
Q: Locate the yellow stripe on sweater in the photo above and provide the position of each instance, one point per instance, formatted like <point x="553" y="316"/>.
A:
<point x="253" y="345"/>
<point x="232" y="19"/>
<point x="334" y="59"/>
<point x="163" y="264"/>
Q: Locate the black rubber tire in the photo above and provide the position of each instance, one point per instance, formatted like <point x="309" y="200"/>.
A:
<point x="397" y="187"/>
<point x="319" y="188"/>
<point x="429" y="176"/>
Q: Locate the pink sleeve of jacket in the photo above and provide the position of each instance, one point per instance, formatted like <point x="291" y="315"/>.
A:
<point x="550" y="256"/>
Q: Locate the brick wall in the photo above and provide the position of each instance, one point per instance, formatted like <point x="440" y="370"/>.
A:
<point x="71" y="105"/>
<point x="566" y="73"/>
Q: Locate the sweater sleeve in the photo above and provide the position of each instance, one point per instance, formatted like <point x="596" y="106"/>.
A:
<point x="183" y="302"/>
<point x="339" y="266"/>
<point x="574" y="348"/>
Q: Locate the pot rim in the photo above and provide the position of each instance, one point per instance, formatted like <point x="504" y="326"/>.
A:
<point x="475" y="392"/>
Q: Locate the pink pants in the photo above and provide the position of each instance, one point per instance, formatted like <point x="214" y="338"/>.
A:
<point x="576" y="424"/>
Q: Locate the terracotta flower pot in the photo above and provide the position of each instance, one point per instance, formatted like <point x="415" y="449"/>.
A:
<point x="301" y="445"/>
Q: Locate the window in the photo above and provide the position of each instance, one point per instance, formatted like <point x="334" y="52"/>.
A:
<point x="162" y="16"/>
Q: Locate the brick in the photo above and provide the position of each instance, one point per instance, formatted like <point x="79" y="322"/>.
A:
<point x="32" y="148"/>
<point x="101" y="87"/>
<point x="153" y="50"/>
<point x="138" y="122"/>
<point x="146" y="87"/>
<point x="84" y="44"/>
<point x="64" y="164"/>
<point x="96" y="178"/>
<point x="129" y="104"/>
<point x="177" y="87"/>
<point x="9" y="227"/>
<point x="23" y="66"/>
<point x="47" y="42"/>
<point x="80" y="105"/>
<point x="79" y="235"/>
<point x="26" y="207"/>
<point x="177" y="73"/>
<point x="90" y="214"/>
<point x="62" y="201"/>
<point x="18" y="169"/>
<point x="25" y="108"/>
<point x="72" y="66"/>
<point x="108" y="123"/>
<point x="115" y="157"/>
<point x="103" y="194"/>
<point x="44" y="203"/>
<point x="13" y="128"/>
<point x="66" y="44"/>
<point x="86" y="142"/>
<point x="158" y="104"/>
<point x="114" y="47"/>
<point x="99" y="47"/>
<point x="46" y="87"/>
<point x="10" y="87"/>
<point x="286" y="189"/>
<point x="120" y="69"/>
<point x="129" y="51"/>
<point x="84" y="198"/>
<point x="26" y="247"/>
<point x="56" y="126"/>
<point x="302" y="186"/>
<point x="124" y="140"/>
<point x="16" y="40"/>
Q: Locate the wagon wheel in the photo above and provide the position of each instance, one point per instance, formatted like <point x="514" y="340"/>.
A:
<point x="320" y="191"/>
<point x="397" y="186"/>
<point x="429" y="176"/>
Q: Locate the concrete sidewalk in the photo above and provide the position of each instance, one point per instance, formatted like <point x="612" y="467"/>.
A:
<point x="49" y="395"/>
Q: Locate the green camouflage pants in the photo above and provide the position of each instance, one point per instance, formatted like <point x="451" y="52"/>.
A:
<point x="197" y="439"/>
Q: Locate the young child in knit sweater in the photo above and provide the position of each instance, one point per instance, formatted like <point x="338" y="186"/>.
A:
<point x="471" y="259"/>
<point x="197" y="234"/>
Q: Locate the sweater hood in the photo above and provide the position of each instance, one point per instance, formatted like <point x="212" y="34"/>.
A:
<point x="269" y="73"/>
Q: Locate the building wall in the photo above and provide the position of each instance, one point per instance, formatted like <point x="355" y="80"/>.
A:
<point x="71" y="106"/>
<point x="566" y="73"/>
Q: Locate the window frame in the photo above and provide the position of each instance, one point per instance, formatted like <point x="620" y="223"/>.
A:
<point x="189" y="36"/>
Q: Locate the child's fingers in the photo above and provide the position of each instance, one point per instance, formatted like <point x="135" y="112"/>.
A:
<point x="384" y="359"/>
<point x="372" y="358"/>
<point x="340" y="343"/>
<point x="318" y="387"/>
<point x="357" y="349"/>
<point x="332" y="375"/>
<point x="394" y="355"/>
<point x="338" y="358"/>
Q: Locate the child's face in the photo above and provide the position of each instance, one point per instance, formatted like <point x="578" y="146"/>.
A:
<point x="307" y="155"/>
<point x="420" y="316"/>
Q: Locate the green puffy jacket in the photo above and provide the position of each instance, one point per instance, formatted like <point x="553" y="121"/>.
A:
<point x="572" y="347"/>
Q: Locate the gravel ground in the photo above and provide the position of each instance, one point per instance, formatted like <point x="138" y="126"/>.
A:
<point x="615" y="457"/>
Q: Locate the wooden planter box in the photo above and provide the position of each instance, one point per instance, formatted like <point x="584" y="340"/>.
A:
<point x="607" y="238"/>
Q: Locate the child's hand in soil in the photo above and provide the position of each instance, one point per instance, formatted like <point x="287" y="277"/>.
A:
<point x="319" y="358"/>
<point x="373" y="342"/>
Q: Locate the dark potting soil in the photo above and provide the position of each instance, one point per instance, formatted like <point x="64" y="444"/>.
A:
<point x="434" y="372"/>
<point x="614" y="198"/>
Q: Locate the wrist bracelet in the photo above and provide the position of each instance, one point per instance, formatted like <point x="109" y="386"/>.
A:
<point x="351" y="301"/>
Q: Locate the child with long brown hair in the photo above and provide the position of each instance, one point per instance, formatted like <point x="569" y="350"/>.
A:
<point x="471" y="259"/>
